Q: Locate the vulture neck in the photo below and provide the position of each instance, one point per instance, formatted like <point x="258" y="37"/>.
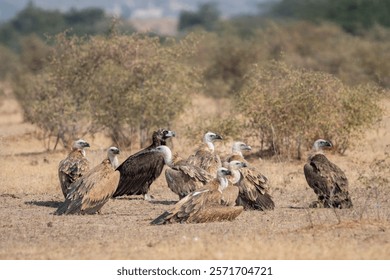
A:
<point x="168" y="158"/>
<point x="223" y="183"/>
<point x="81" y="151"/>
<point x="236" y="176"/>
<point x="237" y="152"/>
<point x="209" y="144"/>
<point x="113" y="160"/>
<point x="315" y="151"/>
<point x="157" y="142"/>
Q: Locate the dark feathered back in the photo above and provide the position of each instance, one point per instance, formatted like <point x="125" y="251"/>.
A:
<point x="328" y="181"/>
<point x="141" y="169"/>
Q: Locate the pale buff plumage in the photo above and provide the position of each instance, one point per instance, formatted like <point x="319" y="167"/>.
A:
<point x="88" y="194"/>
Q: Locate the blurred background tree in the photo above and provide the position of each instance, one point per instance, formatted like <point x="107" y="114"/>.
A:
<point x="100" y="76"/>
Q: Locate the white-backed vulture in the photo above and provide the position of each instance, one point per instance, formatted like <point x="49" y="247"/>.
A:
<point x="182" y="178"/>
<point x="326" y="179"/>
<point x="141" y="169"/>
<point x="88" y="194"/>
<point x="203" y="205"/>
<point x="73" y="166"/>
<point x="205" y="156"/>
<point x="253" y="187"/>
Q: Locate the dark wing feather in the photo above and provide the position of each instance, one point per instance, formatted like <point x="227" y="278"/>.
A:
<point x="185" y="178"/>
<point x="138" y="172"/>
<point x="254" y="191"/>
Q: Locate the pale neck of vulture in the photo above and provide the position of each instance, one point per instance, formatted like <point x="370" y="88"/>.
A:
<point x="236" y="176"/>
<point x="113" y="160"/>
<point x="168" y="157"/>
<point x="209" y="143"/>
<point x="223" y="183"/>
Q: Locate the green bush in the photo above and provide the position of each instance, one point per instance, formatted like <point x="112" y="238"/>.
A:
<point x="290" y="108"/>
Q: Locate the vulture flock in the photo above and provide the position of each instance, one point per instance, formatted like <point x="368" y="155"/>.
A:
<point x="209" y="188"/>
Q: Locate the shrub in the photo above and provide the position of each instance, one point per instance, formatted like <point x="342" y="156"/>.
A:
<point x="118" y="83"/>
<point x="290" y="108"/>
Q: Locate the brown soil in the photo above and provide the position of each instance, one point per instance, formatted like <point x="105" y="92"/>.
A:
<point x="30" y="193"/>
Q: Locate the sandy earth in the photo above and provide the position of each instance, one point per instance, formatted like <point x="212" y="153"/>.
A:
<point x="30" y="193"/>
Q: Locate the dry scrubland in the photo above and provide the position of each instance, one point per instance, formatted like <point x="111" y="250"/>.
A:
<point x="30" y="193"/>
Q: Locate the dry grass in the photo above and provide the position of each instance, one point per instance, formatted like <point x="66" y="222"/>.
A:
<point x="30" y="193"/>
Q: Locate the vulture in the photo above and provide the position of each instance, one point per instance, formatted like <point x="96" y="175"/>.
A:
<point x="202" y="206"/>
<point x="230" y="194"/>
<point x="205" y="156"/>
<point x="326" y="179"/>
<point x="88" y="194"/>
<point x="73" y="166"/>
<point x="236" y="154"/>
<point x="182" y="178"/>
<point x="253" y="188"/>
<point x="141" y="169"/>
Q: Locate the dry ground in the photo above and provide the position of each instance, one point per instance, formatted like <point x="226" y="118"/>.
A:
<point x="30" y="193"/>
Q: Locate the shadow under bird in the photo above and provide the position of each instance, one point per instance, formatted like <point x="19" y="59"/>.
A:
<point x="182" y="177"/>
<point x="73" y="166"/>
<point x="202" y="206"/>
<point x="205" y="156"/>
<point x="141" y="169"/>
<point x="253" y="188"/>
<point x="328" y="181"/>
<point x="88" y="194"/>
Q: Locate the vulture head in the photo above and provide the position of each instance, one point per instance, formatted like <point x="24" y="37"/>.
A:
<point x="240" y="146"/>
<point x="222" y="172"/>
<point x="112" y="153"/>
<point x="210" y="137"/>
<point x="320" y="144"/>
<point x="161" y="135"/>
<point x="80" y="145"/>
<point x="236" y="165"/>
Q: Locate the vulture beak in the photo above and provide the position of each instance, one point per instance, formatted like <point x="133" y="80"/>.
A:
<point x="170" y="134"/>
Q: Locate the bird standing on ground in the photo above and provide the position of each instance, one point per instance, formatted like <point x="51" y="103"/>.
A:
<point x="73" y="166"/>
<point x="88" y="194"/>
<point x="328" y="181"/>
<point x="141" y="169"/>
